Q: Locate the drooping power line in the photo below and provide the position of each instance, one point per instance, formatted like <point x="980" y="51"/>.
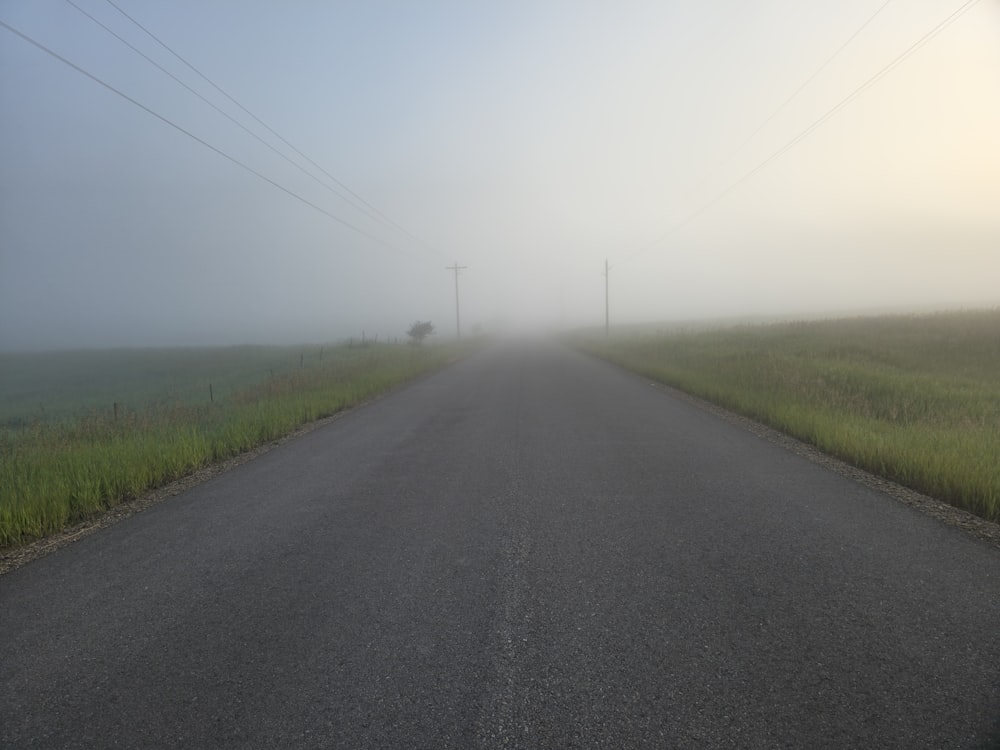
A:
<point x="810" y="79"/>
<point x="225" y="114"/>
<point x="846" y="101"/>
<point x="191" y="135"/>
<point x="379" y="215"/>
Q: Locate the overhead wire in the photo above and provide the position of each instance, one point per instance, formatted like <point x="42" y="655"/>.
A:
<point x="846" y="101"/>
<point x="206" y="144"/>
<point x="825" y="64"/>
<point x="271" y="130"/>
<point x="221" y="111"/>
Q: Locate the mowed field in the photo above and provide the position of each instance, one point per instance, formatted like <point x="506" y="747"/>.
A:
<point x="913" y="398"/>
<point x="83" y="431"/>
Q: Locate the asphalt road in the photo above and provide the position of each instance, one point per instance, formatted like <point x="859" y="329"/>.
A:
<point x="530" y="549"/>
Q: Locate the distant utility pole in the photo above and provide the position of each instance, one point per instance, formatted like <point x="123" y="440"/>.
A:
<point x="607" y="316"/>
<point x="458" y="321"/>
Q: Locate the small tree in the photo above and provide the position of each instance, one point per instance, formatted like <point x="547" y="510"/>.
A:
<point x="419" y="331"/>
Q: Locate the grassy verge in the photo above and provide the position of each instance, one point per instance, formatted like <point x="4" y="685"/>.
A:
<point x="915" y="399"/>
<point x="55" y="472"/>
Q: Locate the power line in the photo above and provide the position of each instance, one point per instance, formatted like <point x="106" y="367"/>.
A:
<point x="884" y="71"/>
<point x="225" y="114"/>
<point x="896" y="62"/>
<point x="191" y="135"/>
<point x="273" y="132"/>
<point x="810" y="79"/>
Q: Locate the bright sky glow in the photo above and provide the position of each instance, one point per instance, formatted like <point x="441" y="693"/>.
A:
<point x="529" y="141"/>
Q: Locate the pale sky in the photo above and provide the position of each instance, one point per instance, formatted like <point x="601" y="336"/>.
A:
<point x="529" y="141"/>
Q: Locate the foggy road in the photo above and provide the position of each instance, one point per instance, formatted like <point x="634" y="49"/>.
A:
<point x="529" y="549"/>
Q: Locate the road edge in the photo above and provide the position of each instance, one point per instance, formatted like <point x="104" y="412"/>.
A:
<point x="13" y="558"/>
<point x="978" y="528"/>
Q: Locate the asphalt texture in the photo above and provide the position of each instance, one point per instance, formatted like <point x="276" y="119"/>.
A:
<point x="530" y="549"/>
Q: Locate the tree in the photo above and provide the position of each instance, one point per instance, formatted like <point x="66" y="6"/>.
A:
<point x="419" y="331"/>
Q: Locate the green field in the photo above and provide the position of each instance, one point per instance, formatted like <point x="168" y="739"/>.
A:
<point x="915" y="399"/>
<point x="52" y="386"/>
<point x="83" y="431"/>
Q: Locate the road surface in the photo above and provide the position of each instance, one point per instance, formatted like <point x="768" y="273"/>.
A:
<point x="530" y="549"/>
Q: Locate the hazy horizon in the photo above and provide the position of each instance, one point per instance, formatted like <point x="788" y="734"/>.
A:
<point x="529" y="142"/>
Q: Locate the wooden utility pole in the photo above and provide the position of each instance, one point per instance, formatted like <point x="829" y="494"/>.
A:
<point x="607" y="317"/>
<point x="458" y="321"/>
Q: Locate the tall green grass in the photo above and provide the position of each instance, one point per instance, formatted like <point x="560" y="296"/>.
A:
<point x="915" y="399"/>
<point x="55" y="472"/>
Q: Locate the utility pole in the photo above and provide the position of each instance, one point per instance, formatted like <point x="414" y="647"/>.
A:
<point x="458" y="322"/>
<point x="607" y="317"/>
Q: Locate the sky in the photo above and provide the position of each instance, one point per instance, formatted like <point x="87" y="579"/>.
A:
<point x="751" y="158"/>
